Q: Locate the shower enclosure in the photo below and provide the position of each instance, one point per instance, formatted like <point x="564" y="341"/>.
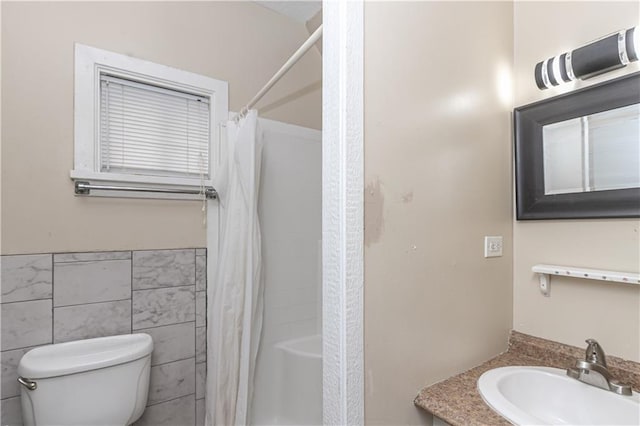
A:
<point x="264" y="315"/>
<point x="288" y="382"/>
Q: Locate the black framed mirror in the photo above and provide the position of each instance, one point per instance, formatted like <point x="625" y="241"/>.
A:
<point x="577" y="155"/>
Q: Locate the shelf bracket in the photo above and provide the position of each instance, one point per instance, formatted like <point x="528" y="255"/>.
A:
<point x="545" y="283"/>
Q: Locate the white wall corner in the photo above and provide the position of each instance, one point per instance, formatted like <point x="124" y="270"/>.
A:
<point x="342" y="213"/>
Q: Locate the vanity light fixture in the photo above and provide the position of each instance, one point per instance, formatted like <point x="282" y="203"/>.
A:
<point x="605" y="54"/>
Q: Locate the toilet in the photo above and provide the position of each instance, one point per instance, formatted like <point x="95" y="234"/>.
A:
<point x="102" y="381"/>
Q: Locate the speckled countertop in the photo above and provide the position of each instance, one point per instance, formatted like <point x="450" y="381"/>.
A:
<point x="458" y="402"/>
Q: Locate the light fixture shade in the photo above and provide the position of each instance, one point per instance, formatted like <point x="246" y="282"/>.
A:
<point x="633" y="43"/>
<point x="603" y="55"/>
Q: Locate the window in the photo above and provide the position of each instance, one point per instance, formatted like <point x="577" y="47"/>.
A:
<point x="141" y="123"/>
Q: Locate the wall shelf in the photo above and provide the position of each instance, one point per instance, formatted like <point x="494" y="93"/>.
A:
<point x="545" y="271"/>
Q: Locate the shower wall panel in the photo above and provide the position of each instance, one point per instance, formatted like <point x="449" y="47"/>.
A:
<point x="291" y="218"/>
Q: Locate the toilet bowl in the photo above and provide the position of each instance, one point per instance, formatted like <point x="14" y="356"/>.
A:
<point x="102" y="381"/>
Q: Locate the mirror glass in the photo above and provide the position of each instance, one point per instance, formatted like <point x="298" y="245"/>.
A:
<point x="596" y="152"/>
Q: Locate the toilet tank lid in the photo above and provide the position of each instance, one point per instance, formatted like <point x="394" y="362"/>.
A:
<point x="62" y="359"/>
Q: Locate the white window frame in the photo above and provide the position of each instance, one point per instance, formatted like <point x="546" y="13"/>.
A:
<point x="90" y="62"/>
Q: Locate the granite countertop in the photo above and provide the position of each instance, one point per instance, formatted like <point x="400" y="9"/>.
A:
<point x="458" y="402"/>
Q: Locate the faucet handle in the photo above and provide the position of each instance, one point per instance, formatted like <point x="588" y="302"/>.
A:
<point x="594" y="353"/>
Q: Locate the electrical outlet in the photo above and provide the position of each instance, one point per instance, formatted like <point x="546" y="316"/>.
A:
<point x="493" y="246"/>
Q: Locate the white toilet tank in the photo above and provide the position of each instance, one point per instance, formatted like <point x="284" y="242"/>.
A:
<point x="102" y="381"/>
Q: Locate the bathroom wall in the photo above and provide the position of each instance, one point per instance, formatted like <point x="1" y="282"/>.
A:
<point x="59" y="297"/>
<point x="577" y="309"/>
<point x="240" y="42"/>
<point x="438" y="179"/>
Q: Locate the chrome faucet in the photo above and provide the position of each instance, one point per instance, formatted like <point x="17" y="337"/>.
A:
<point x="593" y="370"/>
<point x="595" y="354"/>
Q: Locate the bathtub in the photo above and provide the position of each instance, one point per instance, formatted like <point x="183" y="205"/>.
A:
<point x="288" y="387"/>
<point x="299" y="364"/>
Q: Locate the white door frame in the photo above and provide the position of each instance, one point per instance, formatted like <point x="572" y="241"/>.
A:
<point x="342" y="212"/>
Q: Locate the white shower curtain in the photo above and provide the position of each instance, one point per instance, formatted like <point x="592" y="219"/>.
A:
<point x="235" y="302"/>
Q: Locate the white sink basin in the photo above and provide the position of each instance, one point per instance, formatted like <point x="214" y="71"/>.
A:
<point x="547" y="396"/>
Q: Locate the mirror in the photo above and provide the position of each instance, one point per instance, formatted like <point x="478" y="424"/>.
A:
<point x="578" y="155"/>
<point x="596" y="152"/>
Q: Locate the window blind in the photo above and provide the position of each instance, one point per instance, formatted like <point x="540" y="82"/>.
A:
<point x="149" y="130"/>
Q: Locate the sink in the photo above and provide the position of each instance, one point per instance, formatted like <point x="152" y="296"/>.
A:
<point x="546" y="396"/>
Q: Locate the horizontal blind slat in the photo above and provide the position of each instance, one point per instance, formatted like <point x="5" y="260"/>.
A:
<point x="179" y="108"/>
<point x="168" y="114"/>
<point x="123" y="82"/>
<point x="157" y="118"/>
<point x="159" y="154"/>
<point x="154" y="172"/>
<point x="183" y="162"/>
<point x="171" y="133"/>
<point x="150" y="145"/>
<point x="152" y="127"/>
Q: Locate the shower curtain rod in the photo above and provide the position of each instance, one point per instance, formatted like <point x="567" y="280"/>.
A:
<point x="282" y="71"/>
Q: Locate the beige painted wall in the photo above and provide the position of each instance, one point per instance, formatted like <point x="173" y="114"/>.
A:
<point x="239" y="42"/>
<point x="577" y="309"/>
<point x="438" y="179"/>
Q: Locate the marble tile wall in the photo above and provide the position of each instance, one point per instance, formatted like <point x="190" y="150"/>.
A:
<point x="59" y="297"/>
